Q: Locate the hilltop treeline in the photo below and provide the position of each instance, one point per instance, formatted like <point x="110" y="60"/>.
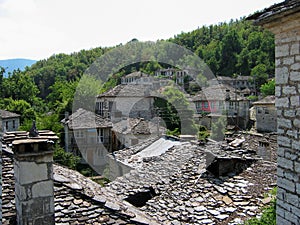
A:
<point x="46" y="89"/>
<point x="231" y="48"/>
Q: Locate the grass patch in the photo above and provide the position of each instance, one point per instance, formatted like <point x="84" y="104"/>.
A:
<point x="268" y="216"/>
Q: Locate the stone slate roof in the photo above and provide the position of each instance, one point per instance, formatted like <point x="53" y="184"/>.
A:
<point x="218" y="92"/>
<point x="128" y="90"/>
<point x="83" y="119"/>
<point x="183" y="192"/>
<point x="9" y="137"/>
<point x="239" y="77"/>
<point x="136" y="126"/>
<point x="276" y="11"/>
<point x="77" y="199"/>
<point x="246" y="78"/>
<point x="269" y="100"/>
<point x="136" y="74"/>
<point x="6" y="114"/>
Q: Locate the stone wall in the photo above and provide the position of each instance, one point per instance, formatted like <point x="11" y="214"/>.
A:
<point x="0" y="177"/>
<point x="10" y="124"/>
<point x="266" y="118"/>
<point x="287" y="51"/>
<point x="33" y="172"/>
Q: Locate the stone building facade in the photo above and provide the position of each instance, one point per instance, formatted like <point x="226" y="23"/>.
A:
<point x="283" y="20"/>
<point x="244" y="84"/>
<point x="130" y="100"/>
<point x="88" y="135"/>
<point x="9" y="121"/>
<point x="133" y="131"/>
<point x="265" y="115"/>
<point x="216" y="100"/>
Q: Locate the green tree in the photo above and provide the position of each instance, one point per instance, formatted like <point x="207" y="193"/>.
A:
<point x="20" y="87"/>
<point x="62" y="95"/>
<point x="230" y="48"/>
<point x="2" y="71"/>
<point x="65" y="158"/>
<point x="86" y="91"/>
<point x="175" y="111"/>
<point x="49" y="121"/>
<point x="20" y="107"/>
<point x="268" y="88"/>
<point x="259" y="74"/>
<point x="218" y="129"/>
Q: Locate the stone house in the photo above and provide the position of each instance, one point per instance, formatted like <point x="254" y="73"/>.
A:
<point x="243" y="84"/>
<point x="137" y="78"/>
<point x="133" y="131"/>
<point x="283" y="20"/>
<point x="177" y="75"/>
<point x="89" y="135"/>
<point x="9" y="121"/>
<point x="265" y="115"/>
<point x="222" y="99"/>
<point x="131" y="100"/>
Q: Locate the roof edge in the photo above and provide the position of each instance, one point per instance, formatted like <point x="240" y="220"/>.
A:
<point x="275" y="12"/>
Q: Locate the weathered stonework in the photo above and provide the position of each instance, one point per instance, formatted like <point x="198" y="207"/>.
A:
<point x="1" y="175"/>
<point x="284" y="21"/>
<point x="33" y="166"/>
<point x="288" y="202"/>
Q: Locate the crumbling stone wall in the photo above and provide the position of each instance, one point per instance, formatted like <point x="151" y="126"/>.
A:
<point x="287" y="51"/>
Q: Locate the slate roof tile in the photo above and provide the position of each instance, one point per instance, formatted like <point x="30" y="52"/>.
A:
<point x="83" y="119"/>
<point x="89" y="204"/>
<point x="218" y="92"/>
<point x="186" y="194"/>
<point x="128" y="90"/>
<point x="265" y="101"/>
<point x="4" y="114"/>
<point x="276" y="11"/>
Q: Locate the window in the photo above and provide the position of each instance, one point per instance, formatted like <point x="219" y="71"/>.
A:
<point x="14" y="124"/>
<point x="206" y="105"/>
<point x="221" y="105"/>
<point x="110" y="106"/>
<point x="100" y="135"/>
<point x="230" y="105"/>
<point x="236" y="105"/>
<point x="212" y="105"/>
<point x="99" y="107"/>
<point x="259" y="110"/>
<point x="266" y="111"/>
<point x="79" y="134"/>
<point x="6" y="125"/>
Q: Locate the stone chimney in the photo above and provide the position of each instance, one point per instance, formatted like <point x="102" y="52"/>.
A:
<point x="33" y="166"/>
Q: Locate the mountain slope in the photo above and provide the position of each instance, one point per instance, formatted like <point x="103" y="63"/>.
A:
<point x="13" y="64"/>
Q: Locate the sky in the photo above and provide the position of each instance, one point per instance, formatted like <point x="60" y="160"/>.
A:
<point x="37" y="29"/>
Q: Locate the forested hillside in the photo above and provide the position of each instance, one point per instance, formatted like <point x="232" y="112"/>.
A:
<point x="46" y="89"/>
<point x="231" y="48"/>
